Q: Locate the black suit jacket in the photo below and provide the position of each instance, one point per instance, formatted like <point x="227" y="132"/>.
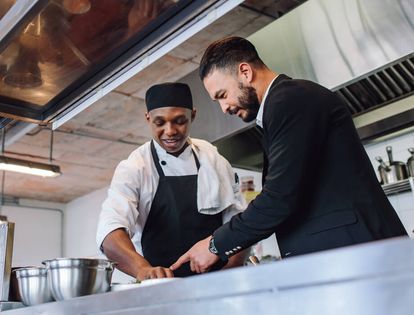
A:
<point x="320" y="191"/>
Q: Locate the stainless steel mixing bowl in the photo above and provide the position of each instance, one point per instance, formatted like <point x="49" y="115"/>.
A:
<point x="73" y="277"/>
<point x="33" y="285"/>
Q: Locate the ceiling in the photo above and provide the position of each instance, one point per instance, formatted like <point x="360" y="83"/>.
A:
<point x="89" y="146"/>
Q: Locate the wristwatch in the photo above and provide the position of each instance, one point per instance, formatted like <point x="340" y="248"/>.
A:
<point x="211" y="247"/>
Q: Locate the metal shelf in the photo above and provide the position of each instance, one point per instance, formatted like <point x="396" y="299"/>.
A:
<point x="399" y="187"/>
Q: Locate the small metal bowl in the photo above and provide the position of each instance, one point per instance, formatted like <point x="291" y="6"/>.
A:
<point x="73" y="277"/>
<point x="33" y="285"/>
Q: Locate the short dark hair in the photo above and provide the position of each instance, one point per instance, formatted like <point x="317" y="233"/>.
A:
<point x="227" y="53"/>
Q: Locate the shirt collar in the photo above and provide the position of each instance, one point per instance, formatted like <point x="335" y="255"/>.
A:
<point x="259" y="117"/>
<point x="163" y="155"/>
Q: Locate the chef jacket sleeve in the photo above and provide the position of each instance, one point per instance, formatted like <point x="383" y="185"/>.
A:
<point x="120" y="209"/>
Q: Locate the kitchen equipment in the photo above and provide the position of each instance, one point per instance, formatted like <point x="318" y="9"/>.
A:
<point x="77" y="6"/>
<point x="25" y="72"/>
<point x="410" y="162"/>
<point x="33" y="285"/>
<point x="382" y="163"/>
<point x="73" y="277"/>
<point x="392" y="171"/>
<point x="6" y="252"/>
<point x="14" y="294"/>
<point x="254" y="260"/>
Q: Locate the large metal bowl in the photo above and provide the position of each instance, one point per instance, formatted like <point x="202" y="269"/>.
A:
<point x="73" y="277"/>
<point x="33" y="285"/>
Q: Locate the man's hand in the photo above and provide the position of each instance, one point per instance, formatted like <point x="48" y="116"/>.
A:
<point x="154" y="273"/>
<point x="199" y="257"/>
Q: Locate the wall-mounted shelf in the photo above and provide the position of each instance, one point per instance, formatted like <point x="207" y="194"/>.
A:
<point x="399" y="187"/>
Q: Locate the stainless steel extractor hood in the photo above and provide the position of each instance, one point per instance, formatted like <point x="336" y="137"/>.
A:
<point x="58" y="57"/>
<point x="361" y="49"/>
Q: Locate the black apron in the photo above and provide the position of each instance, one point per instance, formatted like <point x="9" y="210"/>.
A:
<point x="174" y="224"/>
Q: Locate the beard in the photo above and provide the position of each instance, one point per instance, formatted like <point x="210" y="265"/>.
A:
<point x="249" y="102"/>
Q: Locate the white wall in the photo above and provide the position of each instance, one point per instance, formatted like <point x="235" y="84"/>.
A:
<point x="38" y="231"/>
<point x="403" y="203"/>
<point x="81" y="220"/>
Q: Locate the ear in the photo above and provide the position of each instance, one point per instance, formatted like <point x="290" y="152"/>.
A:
<point x="193" y="114"/>
<point x="147" y="117"/>
<point x="245" y="72"/>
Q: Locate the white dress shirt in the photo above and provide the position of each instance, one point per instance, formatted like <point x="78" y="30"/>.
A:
<point x="135" y="183"/>
<point x="259" y="117"/>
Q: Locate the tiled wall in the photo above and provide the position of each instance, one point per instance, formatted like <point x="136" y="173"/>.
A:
<point x="404" y="202"/>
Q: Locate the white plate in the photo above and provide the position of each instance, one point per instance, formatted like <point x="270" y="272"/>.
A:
<point x="126" y="286"/>
<point x="156" y="281"/>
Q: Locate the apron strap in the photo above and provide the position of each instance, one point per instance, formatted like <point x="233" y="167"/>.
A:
<point x="157" y="160"/>
<point x="196" y="160"/>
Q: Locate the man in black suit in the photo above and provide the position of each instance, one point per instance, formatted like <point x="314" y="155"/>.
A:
<point x="320" y="190"/>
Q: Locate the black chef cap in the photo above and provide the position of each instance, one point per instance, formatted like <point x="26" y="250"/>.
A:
<point x="169" y="95"/>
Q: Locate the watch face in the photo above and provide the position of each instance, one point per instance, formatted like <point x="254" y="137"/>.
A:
<point x="212" y="248"/>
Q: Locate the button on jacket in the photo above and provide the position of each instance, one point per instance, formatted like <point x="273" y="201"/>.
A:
<point x="135" y="183"/>
<point x="320" y="191"/>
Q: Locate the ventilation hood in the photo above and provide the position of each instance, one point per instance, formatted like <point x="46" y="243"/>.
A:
<point x="57" y="57"/>
<point x="360" y="49"/>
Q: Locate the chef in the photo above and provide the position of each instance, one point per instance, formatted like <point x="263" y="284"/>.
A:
<point x="168" y="194"/>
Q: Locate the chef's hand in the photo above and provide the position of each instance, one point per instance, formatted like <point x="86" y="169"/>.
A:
<point x="200" y="258"/>
<point x="154" y="273"/>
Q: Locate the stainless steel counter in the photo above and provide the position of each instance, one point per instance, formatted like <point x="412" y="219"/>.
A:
<point x="375" y="278"/>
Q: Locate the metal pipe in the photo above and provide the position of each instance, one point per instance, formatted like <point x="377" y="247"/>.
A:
<point x="3" y="177"/>
<point x="3" y="136"/>
<point x="51" y="146"/>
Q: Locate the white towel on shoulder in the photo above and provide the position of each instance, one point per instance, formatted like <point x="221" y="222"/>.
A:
<point x="217" y="186"/>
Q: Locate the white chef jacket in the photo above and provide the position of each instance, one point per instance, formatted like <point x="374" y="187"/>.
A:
<point x="135" y="183"/>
